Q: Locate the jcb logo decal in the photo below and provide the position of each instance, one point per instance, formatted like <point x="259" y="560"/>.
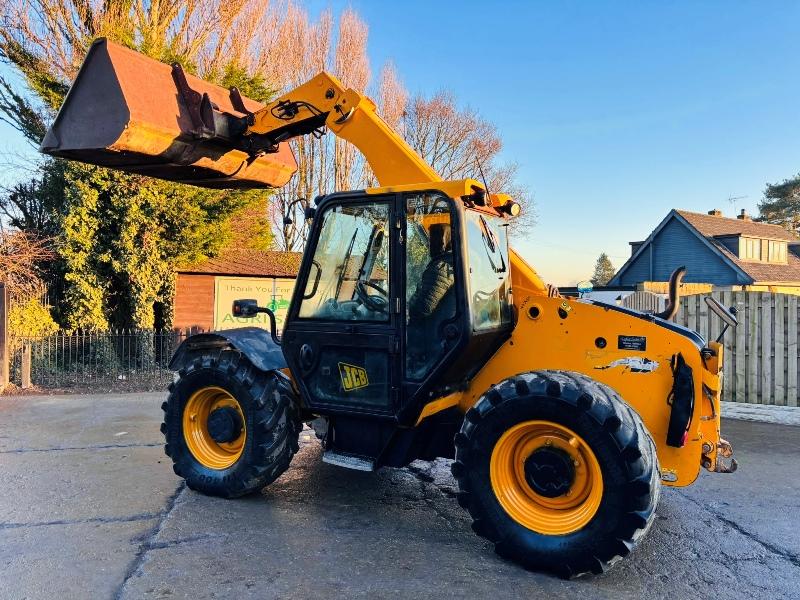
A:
<point x="353" y="377"/>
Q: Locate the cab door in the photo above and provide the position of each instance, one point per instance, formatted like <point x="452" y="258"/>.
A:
<point x="341" y="336"/>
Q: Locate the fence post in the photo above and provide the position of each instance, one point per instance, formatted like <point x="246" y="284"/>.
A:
<point x="3" y="336"/>
<point x="26" y="366"/>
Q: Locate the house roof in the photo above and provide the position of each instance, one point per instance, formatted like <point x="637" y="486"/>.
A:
<point x="714" y="226"/>
<point x="709" y="228"/>
<point x="253" y="263"/>
<point x="762" y="272"/>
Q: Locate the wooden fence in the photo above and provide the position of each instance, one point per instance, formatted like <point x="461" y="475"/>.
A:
<point x="645" y="302"/>
<point x="761" y="360"/>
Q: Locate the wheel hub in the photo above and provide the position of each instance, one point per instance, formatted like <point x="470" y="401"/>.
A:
<point x="546" y="477"/>
<point x="224" y="424"/>
<point x="549" y="472"/>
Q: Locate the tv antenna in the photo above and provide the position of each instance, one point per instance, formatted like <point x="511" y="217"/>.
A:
<point x="732" y="199"/>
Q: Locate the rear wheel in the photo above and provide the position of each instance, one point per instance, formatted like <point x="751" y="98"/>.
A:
<point x="230" y="428"/>
<point x="558" y="472"/>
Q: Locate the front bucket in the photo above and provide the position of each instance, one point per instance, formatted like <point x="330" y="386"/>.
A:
<point x="124" y="111"/>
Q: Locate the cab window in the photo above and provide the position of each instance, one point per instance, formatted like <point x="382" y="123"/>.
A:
<point x="349" y="276"/>
<point x="489" y="271"/>
<point x="430" y="281"/>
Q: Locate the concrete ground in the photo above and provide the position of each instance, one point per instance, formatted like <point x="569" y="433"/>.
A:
<point x="90" y="508"/>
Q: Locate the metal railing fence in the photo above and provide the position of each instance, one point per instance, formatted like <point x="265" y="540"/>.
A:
<point x="120" y="360"/>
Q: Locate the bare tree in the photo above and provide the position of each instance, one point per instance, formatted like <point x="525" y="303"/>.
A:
<point x="392" y="97"/>
<point x="458" y="143"/>
<point x="209" y="34"/>
<point x="351" y="65"/>
<point x="21" y="255"/>
<point x="299" y="49"/>
<point x="453" y="141"/>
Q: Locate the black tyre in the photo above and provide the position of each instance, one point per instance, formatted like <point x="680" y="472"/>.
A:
<point x="558" y="472"/>
<point x="230" y="428"/>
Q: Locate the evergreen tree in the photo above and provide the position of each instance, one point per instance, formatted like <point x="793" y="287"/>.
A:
<point x="118" y="237"/>
<point x="781" y="204"/>
<point x="603" y="270"/>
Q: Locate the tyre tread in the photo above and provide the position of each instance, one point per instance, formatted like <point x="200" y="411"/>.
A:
<point x="277" y="422"/>
<point x="617" y="418"/>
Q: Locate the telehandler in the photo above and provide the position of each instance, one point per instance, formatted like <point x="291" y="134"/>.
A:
<point x="414" y="332"/>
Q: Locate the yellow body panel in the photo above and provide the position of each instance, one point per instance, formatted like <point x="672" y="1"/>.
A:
<point x="553" y="342"/>
<point x="431" y="408"/>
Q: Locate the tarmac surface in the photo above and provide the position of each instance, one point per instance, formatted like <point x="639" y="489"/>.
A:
<point x="90" y="508"/>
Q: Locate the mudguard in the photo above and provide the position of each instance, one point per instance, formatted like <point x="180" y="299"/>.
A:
<point x="255" y="343"/>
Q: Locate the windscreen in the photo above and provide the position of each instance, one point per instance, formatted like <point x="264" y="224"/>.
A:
<point x="349" y="278"/>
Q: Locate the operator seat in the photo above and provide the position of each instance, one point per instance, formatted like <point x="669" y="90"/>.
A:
<point x="432" y="303"/>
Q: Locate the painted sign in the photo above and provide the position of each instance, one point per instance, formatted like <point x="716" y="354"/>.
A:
<point x="273" y="293"/>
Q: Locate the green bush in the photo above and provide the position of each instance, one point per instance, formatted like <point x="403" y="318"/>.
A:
<point x="31" y="319"/>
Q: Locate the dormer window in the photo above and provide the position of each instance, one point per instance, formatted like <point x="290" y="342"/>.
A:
<point x="761" y="250"/>
<point x="751" y="249"/>
<point x="777" y="251"/>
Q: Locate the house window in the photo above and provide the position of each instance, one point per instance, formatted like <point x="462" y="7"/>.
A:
<point x="777" y="252"/>
<point x="752" y="249"/>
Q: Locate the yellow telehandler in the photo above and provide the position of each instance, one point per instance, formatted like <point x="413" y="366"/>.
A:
<point x="414" y="332"/>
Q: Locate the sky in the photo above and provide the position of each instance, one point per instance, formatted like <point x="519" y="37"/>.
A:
<point x="615" y="112"/>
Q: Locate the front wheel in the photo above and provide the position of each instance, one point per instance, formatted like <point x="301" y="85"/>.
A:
<point x="230" y="428"/>
<point x="558" y="472"/>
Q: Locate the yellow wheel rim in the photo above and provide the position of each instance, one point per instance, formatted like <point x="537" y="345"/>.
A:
<point x="557" y="515"/>
<point x="208" y="452"/>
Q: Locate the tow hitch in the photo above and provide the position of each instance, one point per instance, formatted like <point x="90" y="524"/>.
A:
<point x="724" y="463"/>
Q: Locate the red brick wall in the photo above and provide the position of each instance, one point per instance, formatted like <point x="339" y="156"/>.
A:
<point x="194" y="302"/>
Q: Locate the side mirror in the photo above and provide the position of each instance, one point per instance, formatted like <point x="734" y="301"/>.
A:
<point x="726" y="315"/>
<point x="249" y="308"/>
<point x="287" y="220"/>
<point x="245" y="308"/>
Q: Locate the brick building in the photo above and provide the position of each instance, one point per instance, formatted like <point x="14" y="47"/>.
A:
<point x="204" y="291"/>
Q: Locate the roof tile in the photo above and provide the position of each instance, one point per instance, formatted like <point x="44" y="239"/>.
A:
<point x="711" y="226"/>
<point x="244" y="261"/>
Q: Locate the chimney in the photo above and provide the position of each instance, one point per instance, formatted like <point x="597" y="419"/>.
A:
<point x="743" y="216"/>
<point x="715" y="212"/>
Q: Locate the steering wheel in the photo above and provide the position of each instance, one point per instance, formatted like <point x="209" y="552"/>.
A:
<point x="372" y="301"/>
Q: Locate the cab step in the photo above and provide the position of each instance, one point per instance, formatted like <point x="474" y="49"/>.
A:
<point x="348" y="461"/>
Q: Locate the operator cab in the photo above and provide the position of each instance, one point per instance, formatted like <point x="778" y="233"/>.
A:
<point x="400" y="298"/>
